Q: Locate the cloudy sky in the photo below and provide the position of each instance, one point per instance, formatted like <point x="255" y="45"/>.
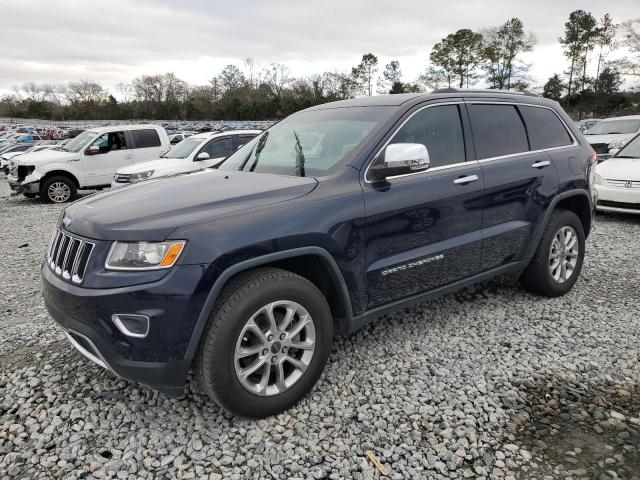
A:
<point x="116" y="40"/>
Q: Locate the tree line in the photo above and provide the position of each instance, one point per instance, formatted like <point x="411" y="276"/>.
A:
<point x="491" y="57"/>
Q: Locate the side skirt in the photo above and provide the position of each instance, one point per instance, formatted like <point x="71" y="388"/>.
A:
<point x="360" y="321"/>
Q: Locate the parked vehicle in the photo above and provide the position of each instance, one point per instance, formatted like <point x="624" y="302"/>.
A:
<point x="6" y="157"/>
<point x="178" y="137"/>
<point x="618" y="179"/>
<point x="332" y="217"/>
<point x="197" y="152"/>
<point x="32" y="138"/>
<point x="612" y="133"/>
<point x="88" y="161"/>
<point x="587" y="123"/>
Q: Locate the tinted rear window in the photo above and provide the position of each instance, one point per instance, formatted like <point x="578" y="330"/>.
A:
<point x="497" y="130"/>
<point x="545" y="128"/>
<point x="146" y="138"/>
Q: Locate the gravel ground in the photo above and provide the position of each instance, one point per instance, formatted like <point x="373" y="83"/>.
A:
<point x="490" y="382"/>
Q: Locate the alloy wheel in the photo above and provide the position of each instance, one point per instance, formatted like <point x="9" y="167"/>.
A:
<point x="563" y="254"/>
<point x="59" y="192"/>
<point x="275" y="347"/>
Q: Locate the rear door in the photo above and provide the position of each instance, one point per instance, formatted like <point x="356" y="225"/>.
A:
<point x="519" y="180"/>
<point x="423" y="230"/>
<point x="146" y="145"/>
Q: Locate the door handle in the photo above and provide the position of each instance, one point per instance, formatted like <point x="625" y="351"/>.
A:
<point x="465" y="180"/>
<point x="541" y="164"/>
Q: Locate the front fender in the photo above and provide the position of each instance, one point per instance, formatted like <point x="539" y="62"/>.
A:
<point x="70" y="168"/>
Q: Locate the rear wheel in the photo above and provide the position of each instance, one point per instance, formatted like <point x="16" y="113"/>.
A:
<point x="266" y="343"/>
<point x="58" y="189"/>
<point x="557" y="263"/>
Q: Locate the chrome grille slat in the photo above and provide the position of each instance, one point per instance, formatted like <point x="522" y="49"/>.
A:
<point x="68" y="256"/>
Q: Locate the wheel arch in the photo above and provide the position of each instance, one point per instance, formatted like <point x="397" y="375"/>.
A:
<point x="60" y="173"/>
<point x="313" y="263"/>
<point x="577" y="201"/>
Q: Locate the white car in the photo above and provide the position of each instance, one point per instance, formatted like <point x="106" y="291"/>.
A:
<point x="86" y="162"/>
<point x="618" y="180"/>
<point x="199" y="151"/>
<point x="178" y="137"/>
<point x="6" y="157"/>
<point x="612" y="133"/>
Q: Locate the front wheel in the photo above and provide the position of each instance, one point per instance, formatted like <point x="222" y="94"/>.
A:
<point x="266" y="344"/>
<point x="557" y="262"/>
<point x="58" y="189"/>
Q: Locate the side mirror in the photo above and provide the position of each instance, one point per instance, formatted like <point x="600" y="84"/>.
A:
<point x="203" y="156"/>
<point x="613" y="151"/>
<point x="402" y="158"/>
<point x="93" y="150"/>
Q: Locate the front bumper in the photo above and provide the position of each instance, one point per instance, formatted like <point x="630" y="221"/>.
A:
<point x="157" y="360"/>
<point x="618" y="199"/>
<point x="23" y="187"/>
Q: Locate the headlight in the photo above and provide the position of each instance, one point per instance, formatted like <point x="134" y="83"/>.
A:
<point x="144" y="255"/>
<point x="598" y="179"/>
<point x="138" y="177"/>
<point x="617" y="144"/>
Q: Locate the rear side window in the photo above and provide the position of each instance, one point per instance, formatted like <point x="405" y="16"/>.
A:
<point x="545" y="128"/>
<point x="146" y="138"/>
<point x="220" y="148"/>
<point x="440" y="130"/>
<point x="497" y="130"/>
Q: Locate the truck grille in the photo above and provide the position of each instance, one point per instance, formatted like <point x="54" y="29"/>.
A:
<point x="623" y="183"/>
<point x="68" y="256"/>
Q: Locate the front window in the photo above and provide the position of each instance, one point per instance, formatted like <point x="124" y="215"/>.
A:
<point x="184" y="148"/>
<point x="310" y="143"/>
<point x="632" y="149"/>
<point x="614" y="127"/>
<point x="78" y="143"/>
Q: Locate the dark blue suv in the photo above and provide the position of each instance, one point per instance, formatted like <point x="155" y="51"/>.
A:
<point x="333" y="217"/>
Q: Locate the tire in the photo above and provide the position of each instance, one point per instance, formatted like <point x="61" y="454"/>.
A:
<point x="540" y="277"/>
<point x="29" y="195"/>
<point x="66" y="190"/>
<point x="227" y="336"/>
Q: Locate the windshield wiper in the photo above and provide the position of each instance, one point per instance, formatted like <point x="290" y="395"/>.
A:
<point x="624" y="156"/>
<point x="258" y="148"/>
<point x="299" y="156"/>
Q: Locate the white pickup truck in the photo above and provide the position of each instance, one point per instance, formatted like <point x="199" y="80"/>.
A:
<point x="87" y="161"/>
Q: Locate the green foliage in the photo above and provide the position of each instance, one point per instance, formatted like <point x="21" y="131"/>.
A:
<point x="458" y="55"/>
<point x="363" y="74"/>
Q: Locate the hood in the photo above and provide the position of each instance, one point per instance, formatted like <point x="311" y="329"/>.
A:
<point x="592" y="139"/>
<point x="149" y="165"/>
<point x="45" y="156"/>
<point x="620" y="169"/>
<point x="151" y="210"/>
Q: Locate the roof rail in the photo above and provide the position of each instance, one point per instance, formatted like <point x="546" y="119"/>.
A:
<point x="483" y="90"/>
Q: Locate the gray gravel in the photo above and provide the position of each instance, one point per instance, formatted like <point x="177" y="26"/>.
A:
<point x="490" y="382"/>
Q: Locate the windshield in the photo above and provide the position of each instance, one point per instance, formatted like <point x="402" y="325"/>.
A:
<point x="307" y="143"/>
<point x="632" y="149"/>
<point x="184" y="148"/>
<point x="614" y="127"/>
<point x="78" y="143"/>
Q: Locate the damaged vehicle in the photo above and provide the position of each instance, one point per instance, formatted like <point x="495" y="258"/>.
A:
<point x="88" y="161"/>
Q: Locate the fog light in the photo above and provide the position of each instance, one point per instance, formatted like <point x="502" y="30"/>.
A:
<point x="132" y="325"/>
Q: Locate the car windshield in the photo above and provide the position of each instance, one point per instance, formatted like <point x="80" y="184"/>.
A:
<point x="614" y="127"/>
<point x="631" y="149"/>
<point x="78" y="143"/>
<point x="310" y="143"/>
<point x="184" y="148"/>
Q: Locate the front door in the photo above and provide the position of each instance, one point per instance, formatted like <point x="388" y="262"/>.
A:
<point x="424" y="230"/>
<point x="104" y="156"/>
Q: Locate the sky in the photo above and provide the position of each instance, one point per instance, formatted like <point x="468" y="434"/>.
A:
<point x="57" y="41"/>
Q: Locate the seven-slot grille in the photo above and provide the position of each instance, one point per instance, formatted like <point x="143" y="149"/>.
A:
<point x="623" y="183"/>
<point x="68" y="256"/>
